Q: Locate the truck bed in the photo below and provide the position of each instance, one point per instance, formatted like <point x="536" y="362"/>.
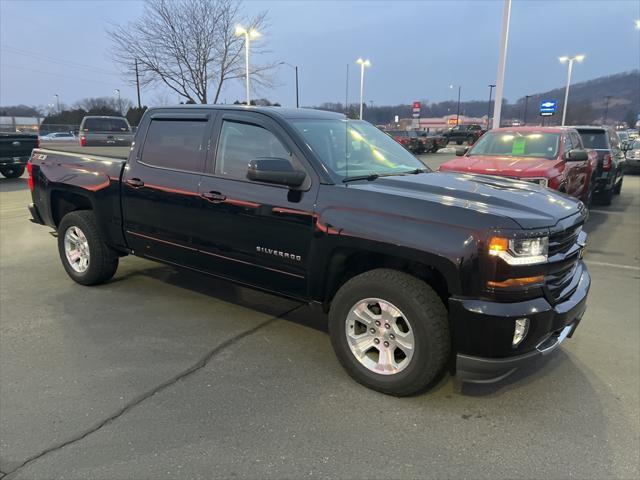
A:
<point x="73" y="147"/>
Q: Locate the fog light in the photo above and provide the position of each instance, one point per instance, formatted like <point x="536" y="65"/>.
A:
<point x="520" y="331"/>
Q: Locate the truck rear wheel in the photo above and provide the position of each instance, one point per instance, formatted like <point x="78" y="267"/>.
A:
<point x="14" y="171"/>
<point x="85" y="257"/>
<point x="390" y="332"/>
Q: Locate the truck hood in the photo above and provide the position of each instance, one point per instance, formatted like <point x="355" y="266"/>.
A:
<point x="501" y="165"/>
<point x="529" y="205"/>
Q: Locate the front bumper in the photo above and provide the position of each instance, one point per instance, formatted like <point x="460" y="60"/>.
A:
<point x="483" y="332"/>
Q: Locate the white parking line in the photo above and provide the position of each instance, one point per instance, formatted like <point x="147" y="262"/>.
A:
<point x="612" y="265"/>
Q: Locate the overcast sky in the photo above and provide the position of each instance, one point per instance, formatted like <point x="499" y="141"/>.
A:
<point x="416" y="48"/>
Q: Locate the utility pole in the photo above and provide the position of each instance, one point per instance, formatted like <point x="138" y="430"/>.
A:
<point x="297" y="97"/>
<point x="502" y="63"/>
<point x="526" y="102"/>
<point x="58" y="102"/>
<point x="491" y="87"/>
<point x="138" y="84"/>
<point x="606" y="110"/>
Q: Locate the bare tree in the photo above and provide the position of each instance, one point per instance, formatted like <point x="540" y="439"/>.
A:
<point x="96" y="104"/>
<point x="189" y="46"/>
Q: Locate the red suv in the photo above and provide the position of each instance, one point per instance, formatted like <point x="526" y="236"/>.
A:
<point x="554" y="157"/>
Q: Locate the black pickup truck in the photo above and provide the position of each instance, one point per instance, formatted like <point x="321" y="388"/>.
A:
<point x="15" y="150"/>
<point x="420" y="272"/>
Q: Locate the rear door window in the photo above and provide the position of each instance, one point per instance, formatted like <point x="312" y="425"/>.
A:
<point x="175" y="144"/>
<point x="594" y="139"/>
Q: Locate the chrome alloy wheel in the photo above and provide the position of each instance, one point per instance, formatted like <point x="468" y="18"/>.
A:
<point x="76" y="249"/>
<point x="380" y="336"/>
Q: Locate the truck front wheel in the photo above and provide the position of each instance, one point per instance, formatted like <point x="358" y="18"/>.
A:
<point x="85" y="257"/>
<point x="390" y="331"/>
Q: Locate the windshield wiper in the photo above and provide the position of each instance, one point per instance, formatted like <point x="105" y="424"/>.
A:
<point x="419" y="170"/>
<point x="370" y="177"/>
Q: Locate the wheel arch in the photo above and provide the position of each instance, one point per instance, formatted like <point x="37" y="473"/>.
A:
<point x="345" y="264"/>
<point x="65" y="201"/>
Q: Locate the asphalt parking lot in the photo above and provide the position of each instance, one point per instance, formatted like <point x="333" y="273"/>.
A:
<point x="165" y="373"/>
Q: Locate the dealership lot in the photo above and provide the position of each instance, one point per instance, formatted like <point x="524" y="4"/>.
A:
<point x="163" y="373"/>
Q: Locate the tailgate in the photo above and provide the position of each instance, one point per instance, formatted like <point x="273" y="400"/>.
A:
<point x="17" y="145"/>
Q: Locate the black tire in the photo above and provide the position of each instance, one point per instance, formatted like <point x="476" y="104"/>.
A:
<point x="14" y="171"/>
<point x="618" y="188"/>
<point x="607" y="196"/>
<point x="103" y="263"/>
<point x="471" y="140"/>
<point x="458" y="142"/>
<point x="588" y="199"/>
<point x="428" y="321"/>
<point x="435" y="148"/>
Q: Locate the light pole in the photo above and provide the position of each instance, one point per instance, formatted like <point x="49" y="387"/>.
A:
<point x="57" y="102"/>
<point x="362" y="63"/>
<point x="295" y="67"/>
<point x="458" y="109"/>
<point x="575" y="58"/>
<point x="248" y="35"/>
<point x="502" y="63"/>
<point x="526" y="103"/>
<point x="117" y="92"/>
<point x="491" y="87"/>
<point x="606" y="110"/>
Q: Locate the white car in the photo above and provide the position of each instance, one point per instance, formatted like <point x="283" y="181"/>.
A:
<point x="59" y="137"/>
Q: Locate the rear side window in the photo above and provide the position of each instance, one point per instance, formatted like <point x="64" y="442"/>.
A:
<point x="105" y="125"/>
<point x="594" y="139"/>
<point x="175" y="144"/>
<point x="240" y="143"/>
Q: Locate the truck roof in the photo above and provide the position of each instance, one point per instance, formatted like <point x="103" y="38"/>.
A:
<point x="288" y="113"/>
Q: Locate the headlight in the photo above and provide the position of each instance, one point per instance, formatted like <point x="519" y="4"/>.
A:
<point x="520" y="251"/>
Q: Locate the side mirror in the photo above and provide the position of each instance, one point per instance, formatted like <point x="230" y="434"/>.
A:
<point x="577" y="155"/>
<point x="624" y="145"/>
<point x="278" y="171"/>
<point x="461" y="151"/>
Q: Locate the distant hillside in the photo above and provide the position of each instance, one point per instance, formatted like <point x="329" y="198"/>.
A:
<point x="588" y="99"/>
<point x="587" y="103"/>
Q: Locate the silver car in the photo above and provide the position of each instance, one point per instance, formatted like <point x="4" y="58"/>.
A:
<point x="105" y="131"/>
<point x="632" y="155"/>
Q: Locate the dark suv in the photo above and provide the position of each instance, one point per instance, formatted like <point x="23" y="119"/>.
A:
<point x="611" y="159"/>
<point x="464" y="133"/>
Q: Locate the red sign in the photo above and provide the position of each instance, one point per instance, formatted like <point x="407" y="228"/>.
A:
<point x="452" y="121"/>
<point x="416" y="105"/>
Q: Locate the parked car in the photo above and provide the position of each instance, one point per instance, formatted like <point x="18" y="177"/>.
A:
<point x="59" y="137"/>
<point x="464" y="133"/>
<point x="419" y="271"/>
<point x="553" y="157"/>
<point x="632" y="155"/>
<point x="611" y="159"/>
<point x="432" y="141"/>
<point x="408" y="139"/>
<point x="105" y="131"/>
<point x="15" y="150"/>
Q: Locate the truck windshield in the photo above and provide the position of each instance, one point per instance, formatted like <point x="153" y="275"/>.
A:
<point x="353" y="147"/>
<point x="105" y="125"/>
<point x="518" y="144"/>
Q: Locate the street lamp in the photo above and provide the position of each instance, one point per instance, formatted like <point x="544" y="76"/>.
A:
<point x="362" y="63"/>
<point x="57" y="102"/>
<point x="117" y="92"/>
<point x="491" y="87"/>
<point x="295" y="67"/>
<point x="638" y="24"/>
<point x="526" y="102"/>
<point x="575" y="58"/>
<point x="248" y="35"/>
<point x="458" y="109"/>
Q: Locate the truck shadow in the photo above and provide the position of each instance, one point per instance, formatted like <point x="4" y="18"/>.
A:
<point x="13" y="184"/>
